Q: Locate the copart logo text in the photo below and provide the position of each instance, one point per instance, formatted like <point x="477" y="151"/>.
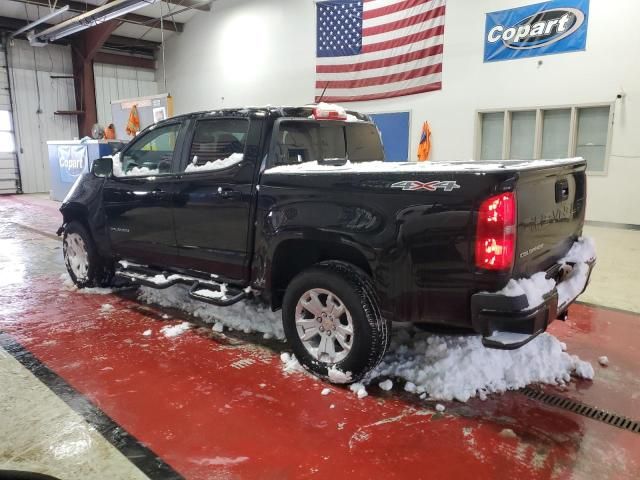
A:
<point x="538" y="30"/>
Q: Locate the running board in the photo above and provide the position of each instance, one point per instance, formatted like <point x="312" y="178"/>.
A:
<point x="508" y="340"/>
<point x="219" y="294"/>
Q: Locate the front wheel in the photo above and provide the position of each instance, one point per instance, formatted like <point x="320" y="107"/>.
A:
<point x="332" y="320"/>
<point x="86" y="268"/>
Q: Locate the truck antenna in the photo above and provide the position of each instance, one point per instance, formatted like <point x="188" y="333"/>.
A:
<point x="325" y="89"/>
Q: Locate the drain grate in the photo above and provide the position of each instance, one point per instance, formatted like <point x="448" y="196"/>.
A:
<point x="583" y="409"/>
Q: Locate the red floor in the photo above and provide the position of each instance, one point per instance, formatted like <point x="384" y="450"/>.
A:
<point x="220" y="407"/>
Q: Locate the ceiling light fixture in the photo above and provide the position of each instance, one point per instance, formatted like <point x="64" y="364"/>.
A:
<point x="35" y="23"/>
<point x="91" y="18"/>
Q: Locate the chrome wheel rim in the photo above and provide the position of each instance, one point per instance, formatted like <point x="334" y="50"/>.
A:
<point x="324" y="325"/>
<point x="76" y="255"/>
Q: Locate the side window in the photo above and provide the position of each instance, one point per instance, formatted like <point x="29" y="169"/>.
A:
<point x="217" y="144"/>
<point x="151" y="154"/>
<point x="363" y="143"/>
<point x="300" y="142"/>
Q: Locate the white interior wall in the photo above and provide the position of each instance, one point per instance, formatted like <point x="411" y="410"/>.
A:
<point x="117" y="83"/>
<point x="244" y="52"/>
<point x="36" y="97"/>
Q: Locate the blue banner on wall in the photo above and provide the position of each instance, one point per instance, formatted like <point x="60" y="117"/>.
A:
<point x="547" y="28"/>
<point x="72" y="160"/>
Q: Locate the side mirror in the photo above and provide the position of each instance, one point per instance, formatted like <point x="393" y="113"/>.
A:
<point x="102" y="167"/>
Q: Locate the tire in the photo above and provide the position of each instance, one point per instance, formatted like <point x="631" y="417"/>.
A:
<point x="85" y="267"/>
<point x="336" y="284"/>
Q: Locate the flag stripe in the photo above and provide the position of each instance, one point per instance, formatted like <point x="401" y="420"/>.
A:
<point x="381" y="62"/>
<point x="389" y="87"/>
<point x="377" y="96"/>
<point x="396" y="42"/>
<point x="405" y="22"/>
<point x="366" y="57"/>
<point x="409" y="12"/>
<point x="392" y="8"/>
<point x="383" y="79"/>
<point x="402" y="32"/>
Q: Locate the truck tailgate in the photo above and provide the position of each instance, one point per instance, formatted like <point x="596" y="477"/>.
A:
<point x="551" y="209"/>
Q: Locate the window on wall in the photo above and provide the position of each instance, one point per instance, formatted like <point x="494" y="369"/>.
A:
<point x="556" y="130"/>
<point x="492" y="128"/>
<point x="523" y="134"/>
<point x="581" y="131"/>
<point x="7" y="144"/>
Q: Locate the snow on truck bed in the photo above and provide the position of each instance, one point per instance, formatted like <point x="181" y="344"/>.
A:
<point x="427" y="167"/>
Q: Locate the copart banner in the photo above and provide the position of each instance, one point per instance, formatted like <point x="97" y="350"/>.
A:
<point x="547" y="28"/>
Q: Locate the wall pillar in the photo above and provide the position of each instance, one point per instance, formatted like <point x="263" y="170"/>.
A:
<point x="84" y="48"/>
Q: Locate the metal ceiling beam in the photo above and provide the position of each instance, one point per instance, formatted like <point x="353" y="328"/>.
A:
<point x="117" y="40"/>
<point x="203" y="5"/>
<point x="125" y="60"/>
<point x="149" y="47"/>
<point x="81" y="7"/>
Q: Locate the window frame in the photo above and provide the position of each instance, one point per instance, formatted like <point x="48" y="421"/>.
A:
<point x="537" y="144"/>
<point x="9" y="131"/>
<point x="188" y="143"/>
<point x="177" y="150"/>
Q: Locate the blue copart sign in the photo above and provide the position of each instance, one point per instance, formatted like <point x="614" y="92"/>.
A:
<point x="72" y="160"/>
<point x="541" y="29"/>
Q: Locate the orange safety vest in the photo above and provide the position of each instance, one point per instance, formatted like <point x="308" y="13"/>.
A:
<point x="424" y="148"/>
<point x="133" y="124"/>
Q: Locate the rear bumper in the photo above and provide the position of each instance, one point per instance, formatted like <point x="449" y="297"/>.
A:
<point x="507" y="323"/>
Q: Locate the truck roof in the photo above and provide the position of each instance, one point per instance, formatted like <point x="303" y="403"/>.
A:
<point x="304" y="111"/>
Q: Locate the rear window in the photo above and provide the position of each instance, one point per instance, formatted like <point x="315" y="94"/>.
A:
<point x="308" y="141"/>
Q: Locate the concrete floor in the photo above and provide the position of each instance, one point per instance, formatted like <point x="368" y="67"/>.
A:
<point x="84" y="395"/>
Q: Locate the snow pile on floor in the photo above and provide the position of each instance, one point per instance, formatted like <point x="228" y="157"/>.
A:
<point x="359" y="389"/>
<point x="538" y="286"/>
<point x="170" y="331"/>
<point x="449" y="367"/>
<point x="215" y="164"/>
<point x="246" y="316"/>
<point x="290" y="363"/>
<point x="67" y="284"/>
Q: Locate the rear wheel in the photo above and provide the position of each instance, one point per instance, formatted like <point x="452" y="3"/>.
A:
<point x="86" y="268"/>
<point x="332" y="320"/>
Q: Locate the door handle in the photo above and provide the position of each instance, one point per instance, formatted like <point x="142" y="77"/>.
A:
<point x="228" y="193"/>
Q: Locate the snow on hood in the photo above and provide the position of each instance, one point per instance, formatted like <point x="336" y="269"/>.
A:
<point x="380" y="166"/>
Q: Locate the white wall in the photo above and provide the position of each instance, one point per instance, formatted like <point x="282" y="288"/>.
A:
<point x="34" y="119"/>
<point x="257" y="53"/>
<point x="117" y="83"/>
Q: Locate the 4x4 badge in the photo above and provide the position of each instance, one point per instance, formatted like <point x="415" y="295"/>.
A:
<point x="447" y="185"/>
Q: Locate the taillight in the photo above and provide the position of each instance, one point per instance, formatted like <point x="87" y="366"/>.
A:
<point x="496" y="232"/>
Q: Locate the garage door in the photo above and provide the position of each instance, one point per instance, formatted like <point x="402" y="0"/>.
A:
<point x="9" y="177"/>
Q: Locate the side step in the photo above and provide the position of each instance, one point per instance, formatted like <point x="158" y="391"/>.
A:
<point x="219" y="294"/>
<point x="508" y="340"/>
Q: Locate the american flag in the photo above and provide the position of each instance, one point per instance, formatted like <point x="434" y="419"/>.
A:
<point x="372" y="49"/>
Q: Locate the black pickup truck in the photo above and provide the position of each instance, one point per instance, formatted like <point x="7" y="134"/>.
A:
<point x="294" y="206"/>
